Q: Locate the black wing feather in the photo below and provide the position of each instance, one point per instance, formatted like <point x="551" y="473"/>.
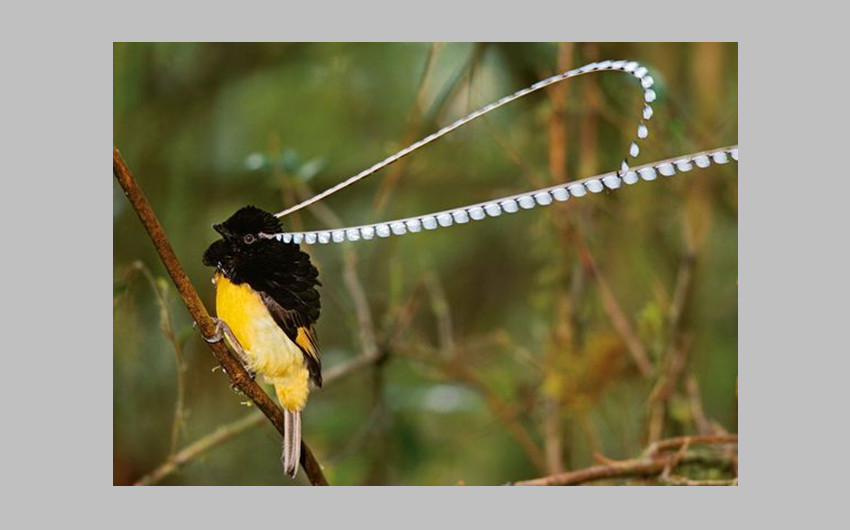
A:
<point x="292" y="322"/>
<point x="286" y="280"/>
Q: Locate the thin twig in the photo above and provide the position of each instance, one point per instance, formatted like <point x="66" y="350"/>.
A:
<point x="676" y="360"/>
<point x="238" y="376"/>
<point x="342" y="370"/>
<point x="622" y="469"/>
<point x="413" y="122"/>
<point x="455" y="369"/>
<point x="198" y="448"/>
<point x="553" y="444"/>
<point x="675" y="355"/>
<point x="442" y="313"/>
<point x="676" y="460"/>
<point x="509" y="414"/>
<point x="629" y="468"/>
<point x="704" y="425"/>
<point x="588" y="139"/>
<point x="565" y="333"/>
<point x="557" y="122"/>
<point x="167" y="326"/>
<point x="616" y="314"/>
<point x="655" y="463"/>
<point x="675" y="443"/>
<point x="684" y="280"/>
<point x="531" y="174"/>
<point x="366" y="324"/>
<point x="249" y="421"/>
<point x="675" y="480"/>
<point x="228" y="431"/>
<point x="351" y="280"/>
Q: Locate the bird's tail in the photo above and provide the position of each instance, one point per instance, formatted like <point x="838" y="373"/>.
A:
<point x="291" y="442"/>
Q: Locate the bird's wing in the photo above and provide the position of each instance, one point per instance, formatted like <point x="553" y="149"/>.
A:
<point x="300" y="331"/>
<point x="287" y="281"/>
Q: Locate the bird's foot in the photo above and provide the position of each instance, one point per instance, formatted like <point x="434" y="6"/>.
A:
<point x="218" y="335"/>
<point x="223" y="330"/>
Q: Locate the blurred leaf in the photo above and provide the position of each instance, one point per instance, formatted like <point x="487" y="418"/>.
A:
<point x="256" y="162"/>
<point x="164" y="287"/>
<point x="310" y="169"/>
<point x="651" y="327"/>
<point x="680" y="410"/>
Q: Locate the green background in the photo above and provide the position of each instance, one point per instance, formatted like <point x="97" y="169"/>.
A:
<point x="502" y="360"/>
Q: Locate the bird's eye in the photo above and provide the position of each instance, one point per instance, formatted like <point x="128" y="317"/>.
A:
<point x="248" y="239"/>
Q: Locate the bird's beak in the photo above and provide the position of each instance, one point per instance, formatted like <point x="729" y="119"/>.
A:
<point x="221" y="229"/>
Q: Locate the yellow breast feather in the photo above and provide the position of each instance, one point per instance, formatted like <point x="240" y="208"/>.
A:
<point x="270" y="352"/>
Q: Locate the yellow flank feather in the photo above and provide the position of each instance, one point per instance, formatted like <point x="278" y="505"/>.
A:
<point x="270" y="352"/>
<point x="307" y="342"/>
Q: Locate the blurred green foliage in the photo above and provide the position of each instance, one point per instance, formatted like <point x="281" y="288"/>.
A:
<point x="503" y="362"/>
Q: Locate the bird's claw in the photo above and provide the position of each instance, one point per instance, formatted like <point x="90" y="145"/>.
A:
<point x="223" y="330"/>
<point x="218" y="335"/>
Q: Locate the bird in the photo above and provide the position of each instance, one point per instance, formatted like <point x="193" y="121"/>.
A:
<point x="267" y="304"/>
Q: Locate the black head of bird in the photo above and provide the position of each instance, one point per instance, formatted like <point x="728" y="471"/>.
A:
<point x="242" y="235"/>
<point x="248" y="225"/>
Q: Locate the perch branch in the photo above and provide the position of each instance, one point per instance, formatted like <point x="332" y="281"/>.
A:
<point x="228" y="431"/>
<point x="238" y="376"/>
<point x="371" y="354"/>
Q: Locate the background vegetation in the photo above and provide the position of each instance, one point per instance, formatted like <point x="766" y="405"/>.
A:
<point x="495" y="351"/>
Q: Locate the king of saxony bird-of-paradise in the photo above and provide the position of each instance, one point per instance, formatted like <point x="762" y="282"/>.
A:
<point x="267" y="305"/>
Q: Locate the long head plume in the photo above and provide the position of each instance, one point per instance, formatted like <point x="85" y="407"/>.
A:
<point x="514" y="203"/>
<point x="625" y="174"/>
<point x="630" y="67"/>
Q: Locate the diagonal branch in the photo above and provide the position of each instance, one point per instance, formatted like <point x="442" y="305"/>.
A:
<point x="629" y="468"/>
<point x="194" y="450"/>
<point x="228" y="431"/>
<point x="455" y="370"/>
<point x="351" y="279"/>
<point x="238" y="376"/>
<point x="655" y="462"/>
<point x="616" y="314"/>
<point x="675" y="443"/>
